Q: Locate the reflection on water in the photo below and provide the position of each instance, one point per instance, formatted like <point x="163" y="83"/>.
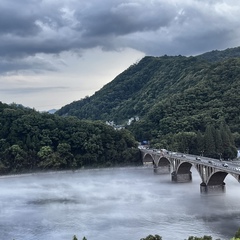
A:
<point x="120" y="204"/>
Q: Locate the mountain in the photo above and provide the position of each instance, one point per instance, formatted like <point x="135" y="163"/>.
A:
<point x="52" y="111"/>
<point x="184" y="104"/>
<point x="134" y="91"/>
<point x="169" y="94"/>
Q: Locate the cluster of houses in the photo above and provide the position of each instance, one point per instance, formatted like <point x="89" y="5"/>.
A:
<point x="119" y="127"/>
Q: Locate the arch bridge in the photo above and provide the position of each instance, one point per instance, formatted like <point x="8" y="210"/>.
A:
<point x="211" y="171"/>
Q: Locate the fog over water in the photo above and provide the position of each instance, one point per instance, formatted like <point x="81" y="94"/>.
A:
<point x="119" y="204"/>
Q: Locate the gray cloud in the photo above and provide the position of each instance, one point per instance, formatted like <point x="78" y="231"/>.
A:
<point x="126" y="17"/>
<point x="30" y="90"/>
<point x="157" y="27"/>
<point x="15" y="65"/>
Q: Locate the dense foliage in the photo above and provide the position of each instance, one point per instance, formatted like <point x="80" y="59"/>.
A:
<point x="151" y="237"/>
<point x="30" y="140"/>
<point x="217" y="56"/>
<point x="172" y="96"/>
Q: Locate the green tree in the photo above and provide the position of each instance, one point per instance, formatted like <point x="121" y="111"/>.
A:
<point x="65" y="156"/>
<point x="151" y="237"/>
<point x="47" y="158"/>
<point x="209" y="143"/>
<point x="218" y="142"/>
<point x="17" y="158"/>
<point x="237" y="234"/>
<point x="228" y="146"/>
<point x="45" y="152"/>
<point x="200" y="143"/>
<point x="200" y="238"/>
<point x="3" y="168"/>
<point x="236" y="137"/>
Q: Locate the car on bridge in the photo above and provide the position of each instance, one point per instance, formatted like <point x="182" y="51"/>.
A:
<point x="198" y="158"/>
<point x="211" y="162"/>
<point x="225" y="165"/>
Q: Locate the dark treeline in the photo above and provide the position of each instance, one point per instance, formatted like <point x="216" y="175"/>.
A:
<point x="215" y="142"/>
<point x="31" y="141"/>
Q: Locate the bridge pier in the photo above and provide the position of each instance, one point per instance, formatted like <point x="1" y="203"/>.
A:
<point x="161" y="170"/>
<point x="181" y="177"/>
<point x="221" y="188"/>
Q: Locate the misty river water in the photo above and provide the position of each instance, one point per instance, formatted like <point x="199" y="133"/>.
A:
<point x="114" y="203"/>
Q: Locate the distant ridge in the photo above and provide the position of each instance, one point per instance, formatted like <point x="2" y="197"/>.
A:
<point x="169" y="94"/>
<point x="216" y="55"/>
<point x="52" y="111"/>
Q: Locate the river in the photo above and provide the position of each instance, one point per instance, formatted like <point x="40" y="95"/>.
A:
<point x="114" y="203"/>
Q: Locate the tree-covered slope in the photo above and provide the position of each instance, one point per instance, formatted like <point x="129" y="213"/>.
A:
<point x="217" y="56"/>
<point x="136" y="90"/>
<point x="214" y="97"/>
<point x="171" y="94"/>
<point x="189" y="104"/>
<point x="30" y="140"/>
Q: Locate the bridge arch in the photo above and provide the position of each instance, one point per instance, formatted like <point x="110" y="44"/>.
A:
<point x="184" y="168"/>
<point x="148" y="158"/>
<point x="181" y="171"/>
<point x="162" y="165"/>
<point x="217" y="178"/>
<point x="163" y="161"/>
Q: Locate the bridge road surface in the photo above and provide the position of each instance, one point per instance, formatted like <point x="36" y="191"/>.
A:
<point x="230" y="167"/>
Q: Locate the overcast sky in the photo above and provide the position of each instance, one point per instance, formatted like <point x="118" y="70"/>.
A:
<point x="54" y="52"/>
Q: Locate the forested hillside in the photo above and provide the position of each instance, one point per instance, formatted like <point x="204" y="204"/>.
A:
<point x="217" y="56"/>
<point x="31" y="141"/>
<point x="170" y="95"/>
